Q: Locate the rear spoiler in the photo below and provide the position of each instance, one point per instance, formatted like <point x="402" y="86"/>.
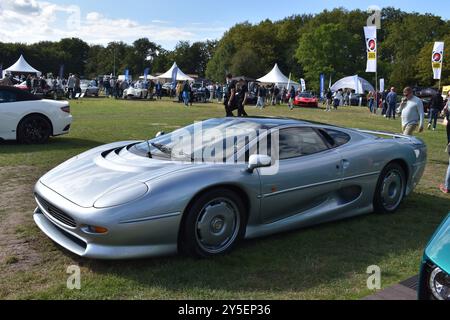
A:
<point x="392" y="135"/>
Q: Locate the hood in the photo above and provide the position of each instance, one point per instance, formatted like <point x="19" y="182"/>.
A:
<point x="438" y="250"/>
<point x="84" y="179"/>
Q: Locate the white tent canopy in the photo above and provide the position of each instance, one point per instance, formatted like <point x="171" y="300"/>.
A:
<point x="149" y="77"/>
<point x="22" y="66"/>
<point x="356" y="83"/>
<point x="276" y="76"/>
<point x="181" y="76"/>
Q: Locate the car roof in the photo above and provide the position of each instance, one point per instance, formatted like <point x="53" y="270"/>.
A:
<point x="273" y="122"/>
<point x="24" y="94"/>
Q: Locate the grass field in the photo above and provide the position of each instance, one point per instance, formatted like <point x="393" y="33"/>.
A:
<point x="323" y="262"/>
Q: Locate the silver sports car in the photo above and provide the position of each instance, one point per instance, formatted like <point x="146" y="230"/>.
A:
<point x="203" y="188"/>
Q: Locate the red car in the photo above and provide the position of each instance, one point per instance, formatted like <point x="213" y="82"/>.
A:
<point x="305" y="99"/>
<point x="22" y="86"/>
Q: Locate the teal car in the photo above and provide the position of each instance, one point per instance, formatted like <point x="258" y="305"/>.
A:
<point x="435" y="271"/>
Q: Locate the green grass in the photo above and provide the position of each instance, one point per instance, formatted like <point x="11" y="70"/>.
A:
<point x="323" y="262"/>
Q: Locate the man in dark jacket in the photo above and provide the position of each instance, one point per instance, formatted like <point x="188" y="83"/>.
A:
<point x="230" y="102"/>
<point x="436" y="106"/>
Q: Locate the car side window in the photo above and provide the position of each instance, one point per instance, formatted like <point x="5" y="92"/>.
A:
<point x="340" y="138"/>
<point x="7" y="96"/>
<point x="298" y="142"/>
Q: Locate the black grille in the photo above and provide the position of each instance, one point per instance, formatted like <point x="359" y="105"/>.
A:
<point x="56" y="213"/>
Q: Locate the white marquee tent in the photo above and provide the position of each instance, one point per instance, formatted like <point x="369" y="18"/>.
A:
<point x="21" y="66"/>
<point x="149" y="77"/>
<point x="276" y="76"/>
<point x="356" y="83"/>
<point x="181" y="76"/>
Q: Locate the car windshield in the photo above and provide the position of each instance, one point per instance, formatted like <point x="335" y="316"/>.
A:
<point x="305" y="95"/>
<point x="212" y="140"/>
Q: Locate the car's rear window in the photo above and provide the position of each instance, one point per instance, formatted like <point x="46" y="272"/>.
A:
<point x="340" y="138"/>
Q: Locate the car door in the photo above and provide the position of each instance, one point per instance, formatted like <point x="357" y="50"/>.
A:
<point x="8" y="115"/>
<point x="309" y="170"/>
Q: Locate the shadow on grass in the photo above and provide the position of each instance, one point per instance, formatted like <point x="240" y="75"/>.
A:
<point x="54" y="144"/>
<point x="298" y="260"/>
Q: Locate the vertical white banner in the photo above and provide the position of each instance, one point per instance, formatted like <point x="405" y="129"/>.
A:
<point x="372" y="46"/>
<point x="437" y="59"/>
<point x="303" y="83"/>
<point x="381" y="85"/>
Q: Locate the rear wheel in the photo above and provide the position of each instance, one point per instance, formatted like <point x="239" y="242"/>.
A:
<point x="391" y="189"/>
<point x="34" y="129"/>
<point x="214" y="224"/>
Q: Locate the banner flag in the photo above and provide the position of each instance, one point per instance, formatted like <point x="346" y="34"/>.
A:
<point x="381" y="85"/>
<point x="61" y="71"/>
<point x="372" y="47"/>
<point x="174" y="77"/>
<point x="302" y="81"/>
<point x="127" y="74"/>
<point x="146" y="72"/>
<point x="322" y="86"/>
<point x="437" y="59"/>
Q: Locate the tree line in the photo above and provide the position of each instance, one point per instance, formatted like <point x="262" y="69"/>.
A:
<point x="331" y="42"/>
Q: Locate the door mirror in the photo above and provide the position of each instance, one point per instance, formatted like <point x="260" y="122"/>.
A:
<point x="258" y="161"/>
<point x="159" y="134"/>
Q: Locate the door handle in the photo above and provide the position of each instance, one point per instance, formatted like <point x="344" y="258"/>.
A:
<point x="345" y="164"/>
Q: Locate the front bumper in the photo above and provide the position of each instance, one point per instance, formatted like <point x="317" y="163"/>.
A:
<point x="125" y="240"/>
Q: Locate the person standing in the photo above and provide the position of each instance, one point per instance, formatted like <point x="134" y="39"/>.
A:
<point x="77" y="89"/>
<point x="185" y="93"/>
<point x="242" y="95"/>
<point x="291" y="98"/>
<point x="436" y="106"/>
<point x="329" y="98"/>
<point x="262" y="92"/>
<point x="445" y="188"/>
<point x="391" y="100"/>
<point x="28" y="81"/>
<point x="384" y="102"/>
<point x="446" y="114"/>
<point x="71" y="86"/>
<point x="411" y="111"/>
<point x="230" y="96"/>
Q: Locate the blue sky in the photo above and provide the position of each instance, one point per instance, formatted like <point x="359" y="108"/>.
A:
<point x="165" y="22"/>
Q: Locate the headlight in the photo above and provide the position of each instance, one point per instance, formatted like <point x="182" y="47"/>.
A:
<point x="440" y="284"/>
<point x="122" y="195"/>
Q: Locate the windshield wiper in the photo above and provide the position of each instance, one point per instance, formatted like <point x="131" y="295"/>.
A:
<point x="162" y="148"/>
<point x="168" y="151"/>
<point x="149" y="153"/>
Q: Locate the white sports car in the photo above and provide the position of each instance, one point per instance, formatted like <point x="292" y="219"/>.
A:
<point x="135" y="93"/>
<point x="30" y="119"/>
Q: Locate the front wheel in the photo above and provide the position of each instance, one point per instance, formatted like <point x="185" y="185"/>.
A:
<point x="34" y="129"/>
<point x="214" y="224"/>
<point x="391" y="189"/>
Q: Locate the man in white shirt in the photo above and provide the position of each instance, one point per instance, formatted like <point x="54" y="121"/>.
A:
<point x="411" y="110"/>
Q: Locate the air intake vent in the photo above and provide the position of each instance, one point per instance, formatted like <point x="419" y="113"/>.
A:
<point x="56" y="213"/>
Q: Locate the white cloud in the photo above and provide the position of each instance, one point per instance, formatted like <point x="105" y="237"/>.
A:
<point x="31" y="21"/>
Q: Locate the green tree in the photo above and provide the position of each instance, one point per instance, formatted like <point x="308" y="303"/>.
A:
<point x="328" y="49"/>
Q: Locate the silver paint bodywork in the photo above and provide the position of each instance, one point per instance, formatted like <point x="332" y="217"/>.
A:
<point x="306" y="191"/>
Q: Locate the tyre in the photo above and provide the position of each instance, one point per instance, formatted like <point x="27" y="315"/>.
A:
<point x="391" y="189"/>
<point x="34" y="129"/>
<point x="213" y="225"/>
